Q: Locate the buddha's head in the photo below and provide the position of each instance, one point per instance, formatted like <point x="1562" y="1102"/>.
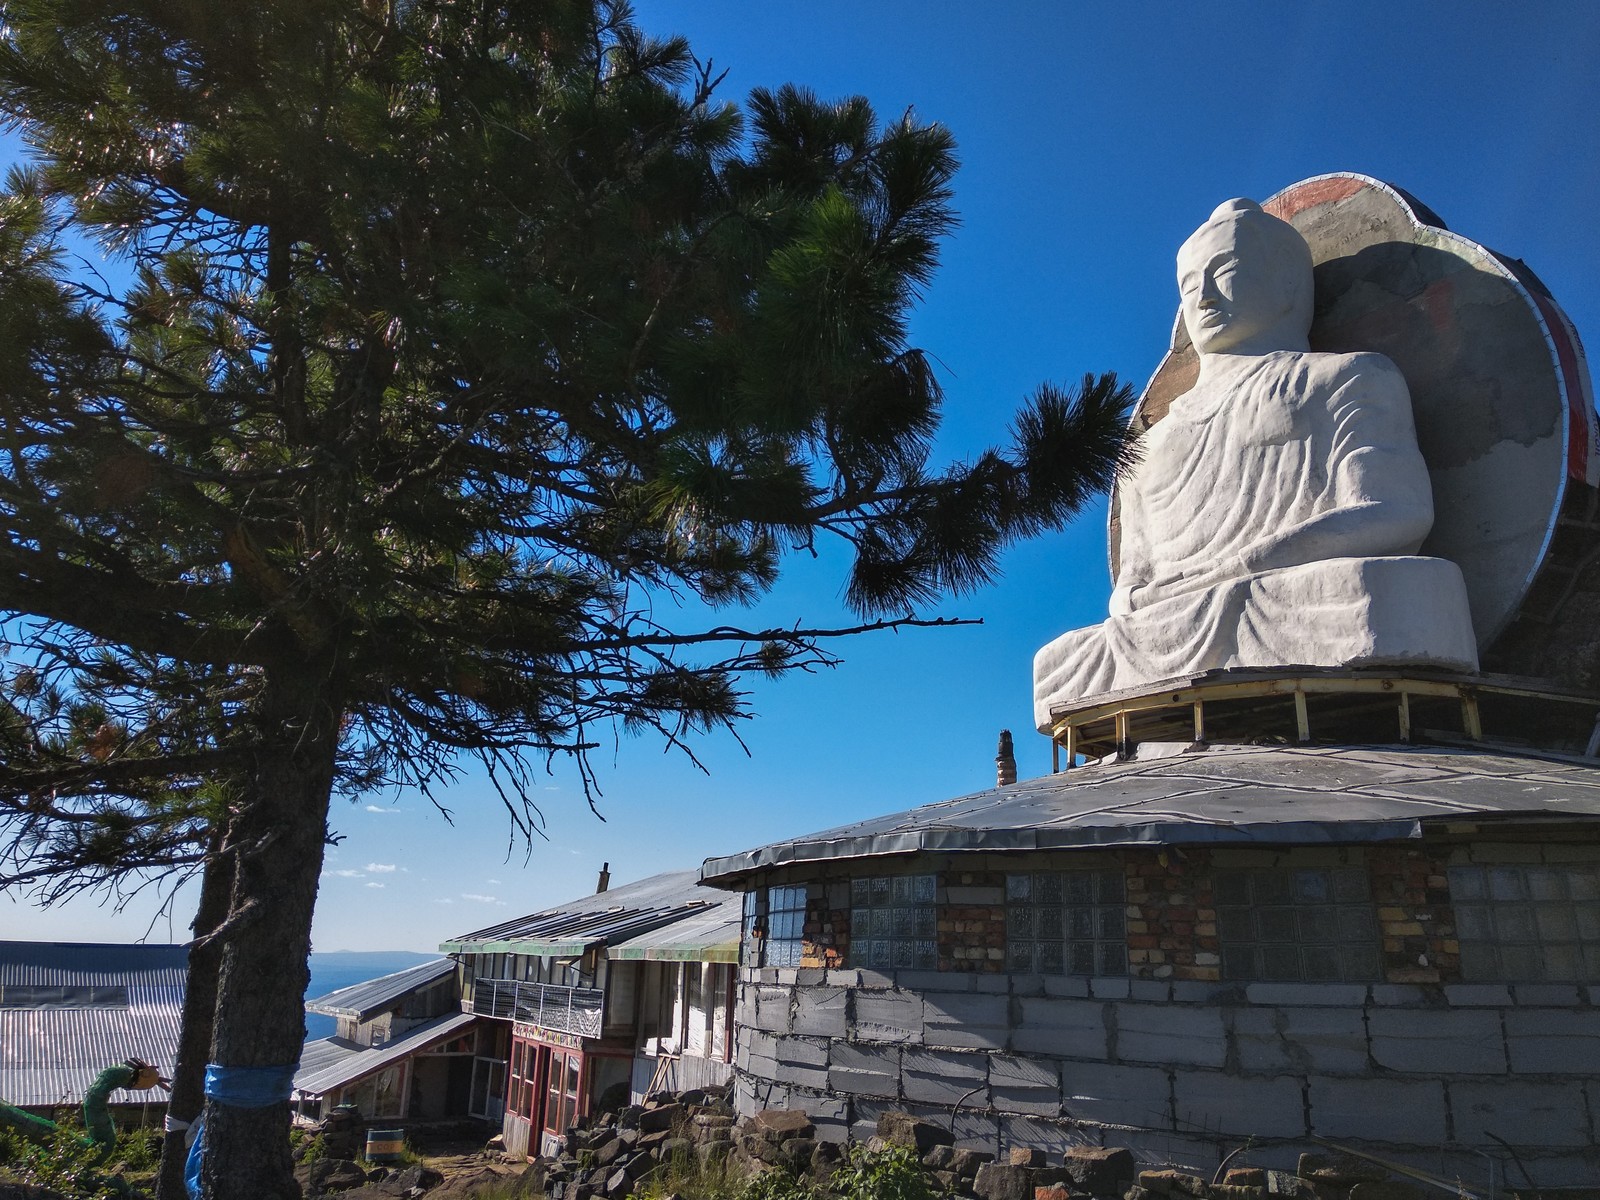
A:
<point x="1245" y="282"/>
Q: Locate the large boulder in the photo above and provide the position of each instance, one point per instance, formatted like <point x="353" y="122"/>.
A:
<point x="1100" y="1170"/>
<point x="902" y="1129"/>
<point x="329" y="1175"/>
<point x="778" y="1125"/>
<point x="414" y="1177"/>
<point x="965" y="1163"/>
<point x="1173" y="1183"/>
<point x="662" y="1117"/>
<point x="1340" y="1170"/>
<point x="1002" y="1181"/>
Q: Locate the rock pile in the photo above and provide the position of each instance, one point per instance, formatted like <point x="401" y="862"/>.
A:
<point x="674" y="1140"/>
<point x="615" y="1150"/>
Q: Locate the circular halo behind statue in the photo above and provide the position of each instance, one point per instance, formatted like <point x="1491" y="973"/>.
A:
<point x="1499" y="386"/>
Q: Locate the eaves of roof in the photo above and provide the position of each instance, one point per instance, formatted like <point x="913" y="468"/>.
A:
<point x="329" y="1063"/>
<point x="1226" y="795"/>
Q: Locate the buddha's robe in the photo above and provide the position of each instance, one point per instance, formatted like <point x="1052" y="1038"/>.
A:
<point x="1273" y="520"/>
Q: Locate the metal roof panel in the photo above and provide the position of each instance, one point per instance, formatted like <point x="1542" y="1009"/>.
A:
<point x="50" y="1055"/>
<point x="365" y="1000"/>
<point x="1219" y="795"/>
<point x="619" y="914"/>
<point x="324" y="1067"/>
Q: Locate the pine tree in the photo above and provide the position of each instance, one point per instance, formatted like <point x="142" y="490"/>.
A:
<point x="455" y="333"/>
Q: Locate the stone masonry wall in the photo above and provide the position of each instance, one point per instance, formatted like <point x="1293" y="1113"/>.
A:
<point x="1185" y="1069"/>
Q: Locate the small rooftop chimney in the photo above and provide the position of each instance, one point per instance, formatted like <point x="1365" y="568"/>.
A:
<point x="1005" y="761"/>
<point x="605" y="867"/>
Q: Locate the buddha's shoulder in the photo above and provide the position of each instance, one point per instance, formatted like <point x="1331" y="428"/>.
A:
<point x="1336" y="370"/>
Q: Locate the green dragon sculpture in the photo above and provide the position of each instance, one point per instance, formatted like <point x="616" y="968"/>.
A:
<point x="99" y="1129"/>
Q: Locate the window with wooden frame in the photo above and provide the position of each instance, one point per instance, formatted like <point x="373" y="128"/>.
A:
<point x="562" y="1091"/>
<point x="524" y="1078"/>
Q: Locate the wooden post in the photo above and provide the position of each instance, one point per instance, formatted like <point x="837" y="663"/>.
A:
<point x="1405" y="716"/>
<point x="1469" y="715"/>
<point x="1302" y="719"/>
<point x="1072" y="746"/>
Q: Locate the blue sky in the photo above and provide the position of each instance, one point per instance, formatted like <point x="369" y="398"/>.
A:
<point x="1094" y="138"/>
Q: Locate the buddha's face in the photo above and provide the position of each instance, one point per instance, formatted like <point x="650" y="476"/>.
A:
<point x="1240" y="291"/>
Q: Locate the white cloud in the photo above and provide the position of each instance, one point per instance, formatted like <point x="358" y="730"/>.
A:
<point x="444" y="900"/>
<point x="491" y="881"/>
<point x="381" y="868"/>
<point x="348" y="874"/>
<point x="375" y="885"/>
<point x="378" y="808"/>
<point x="481" y="898"/>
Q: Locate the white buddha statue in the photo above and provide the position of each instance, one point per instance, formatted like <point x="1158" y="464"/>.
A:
<point x="1276" y="511"/>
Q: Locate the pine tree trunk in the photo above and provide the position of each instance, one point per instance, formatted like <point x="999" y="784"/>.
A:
<point x="260" y="1016"/>
<point x="199" y="1012"/>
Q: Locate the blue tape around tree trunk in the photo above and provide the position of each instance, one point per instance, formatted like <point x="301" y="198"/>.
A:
<point x="236" y="1087"/>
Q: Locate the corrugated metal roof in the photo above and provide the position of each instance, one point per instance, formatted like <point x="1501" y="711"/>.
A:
<point x="365" y="1000"/>
<point x="1225" y="794"/>
<point x="328" y="1063"/>
<point x="710" y="935"/>
<point x="50" y="1055"/>
<point x="623" y="914"/>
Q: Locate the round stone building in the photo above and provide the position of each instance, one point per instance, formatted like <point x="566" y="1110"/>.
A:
<point x="1320" y="860"/>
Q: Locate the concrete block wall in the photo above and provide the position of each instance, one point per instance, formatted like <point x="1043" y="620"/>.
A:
<point x="1185" y="1070"/>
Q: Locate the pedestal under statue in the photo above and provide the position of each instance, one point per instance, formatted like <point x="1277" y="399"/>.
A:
<point x="1274" y="516"/>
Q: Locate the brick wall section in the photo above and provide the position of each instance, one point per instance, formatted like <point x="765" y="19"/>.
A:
<point x="1172" y="926"/>
<point x="972" y="921"/>
<point x="827" y="932"/>
<point x="1416" y="924"/>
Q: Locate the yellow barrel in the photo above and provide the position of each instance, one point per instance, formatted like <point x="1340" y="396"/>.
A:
<point x="385" y="1145"/>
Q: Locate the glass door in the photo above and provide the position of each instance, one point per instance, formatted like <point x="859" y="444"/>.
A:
<point x="562" y="1091"/>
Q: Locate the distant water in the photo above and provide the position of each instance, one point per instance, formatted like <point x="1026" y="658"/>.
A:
<point x="337" y="969"/>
